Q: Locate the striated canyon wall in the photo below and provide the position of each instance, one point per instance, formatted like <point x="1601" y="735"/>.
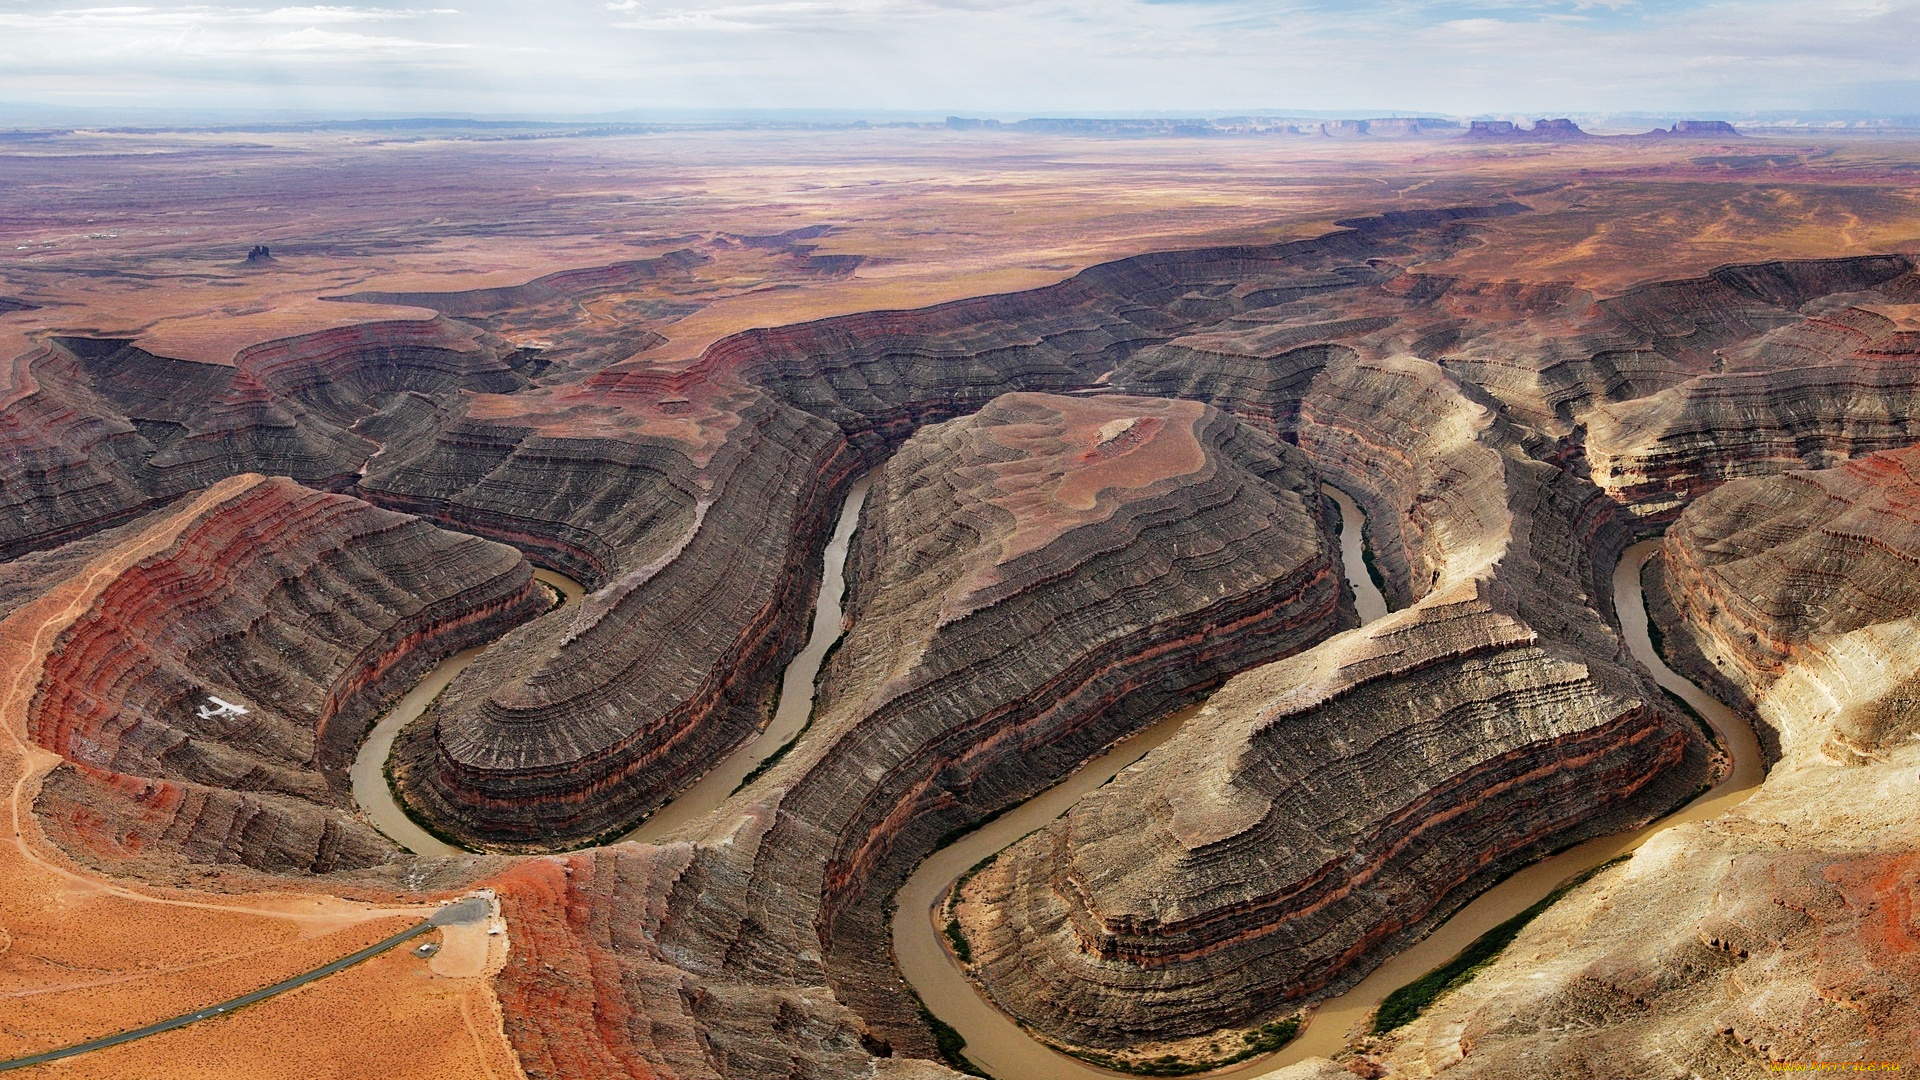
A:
<point x="1128" y="533"/>
<point x="1323" y="810"/>
<point x="312" y="611"/>
<point x="1777" y="932"/>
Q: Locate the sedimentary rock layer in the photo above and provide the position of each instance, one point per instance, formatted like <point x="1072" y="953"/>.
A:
<point x="1155" y="547"/>
<point x="582" y="724"/>
<point x="104" y="430"/>
<point x="1799" y="594"/>
<point x="309" y="610"/>
<point x="1325" y="808"/>
<point x="1779" y="932"/>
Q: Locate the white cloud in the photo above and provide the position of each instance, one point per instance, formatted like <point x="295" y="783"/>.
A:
<point x="1462" y="56"/>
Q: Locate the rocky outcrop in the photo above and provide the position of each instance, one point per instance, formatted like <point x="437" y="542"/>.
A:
<point x="1157" y="546"/>
<point x="309" y="611"/>
<point x="1321" y="811"/>
<point x="579" y="726"/>
<point x="1698" y="129"/>
<point x="1798" y="595"/>
<point x="1776" y="933"/>
<point x="1541" y="129"/>
<point x="105" y="430"/>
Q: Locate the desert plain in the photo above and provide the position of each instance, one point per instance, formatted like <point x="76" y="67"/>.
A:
<point x="292" y="417"/>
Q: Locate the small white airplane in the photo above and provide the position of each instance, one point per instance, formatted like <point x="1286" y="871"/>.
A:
<point x="221" y="708"/>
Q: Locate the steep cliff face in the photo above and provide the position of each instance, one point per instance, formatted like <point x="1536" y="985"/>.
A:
<point x="580" y="725"/>
<point x="106" y="430"/>
<point x="1324" y="809"/>
<point x="1157" y="545"/>
<point x="1813" y="375"/>
<point x="70" y="457"/>
<point x="1778" y="932"/>
<point x="311" y="611"/>
<point x="1797" y="593"/>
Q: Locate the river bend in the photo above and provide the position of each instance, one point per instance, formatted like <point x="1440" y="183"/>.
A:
<point x="369" y="773"/>
<point x="375" y="796"/>
<point x="1000" y="1047"/>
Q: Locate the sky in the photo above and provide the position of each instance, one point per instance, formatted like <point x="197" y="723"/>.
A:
<point x="973" y="57"/>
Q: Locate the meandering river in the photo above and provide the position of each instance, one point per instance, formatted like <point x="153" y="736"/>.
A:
<point x="369" y="772"/>
<point x="796" y="688"/>
<point x="375" y="795"/>
<point x="994" y="1041"/>
<point x="1002" y="1048"/>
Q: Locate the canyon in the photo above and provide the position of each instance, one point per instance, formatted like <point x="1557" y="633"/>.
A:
<point x="1264" y="580"/>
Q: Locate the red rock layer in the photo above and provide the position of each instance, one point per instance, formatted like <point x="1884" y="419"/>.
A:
<point x="312" y="611"/>
<point x="579" y="727"/>
<point x="1158" y="545"/>
<point x="1226" y="880"/>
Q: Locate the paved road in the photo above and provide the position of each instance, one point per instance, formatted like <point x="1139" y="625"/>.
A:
<point x="471" y="909"/>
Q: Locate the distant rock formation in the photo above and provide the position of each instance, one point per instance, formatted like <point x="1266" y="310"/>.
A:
<point x="1541" y="129"/>
<point x="1390" y="127"/>
<point x="1699" y="129"/>
<point x="260" y="255"/>
<point x="1409" y="126"/>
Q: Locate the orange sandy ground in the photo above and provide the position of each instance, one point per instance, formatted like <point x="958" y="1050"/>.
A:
<point x="81" y="957"/>
<point x="939" y="215"/>
<point x="142" y="236"/>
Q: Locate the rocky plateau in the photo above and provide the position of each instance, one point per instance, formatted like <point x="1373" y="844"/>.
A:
<point x="1093" y="504"/>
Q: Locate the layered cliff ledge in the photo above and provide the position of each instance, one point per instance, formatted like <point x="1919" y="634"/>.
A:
<point x="1798" y="594"/>
<point x="1830" y="378"/>
<point x="105" y="430"/>
<point x="580" y="725"/>
<point x="1156" y="546"/>
<point x="1324" y="810"/>
<point x="1779" y="932"/>
<point x="309" y="610"/>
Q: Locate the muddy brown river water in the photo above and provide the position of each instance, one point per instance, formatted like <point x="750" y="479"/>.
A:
<point x="1003" y="1049"/>
<point x="369" y="773"/>
<point x="994" y="1041"/>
